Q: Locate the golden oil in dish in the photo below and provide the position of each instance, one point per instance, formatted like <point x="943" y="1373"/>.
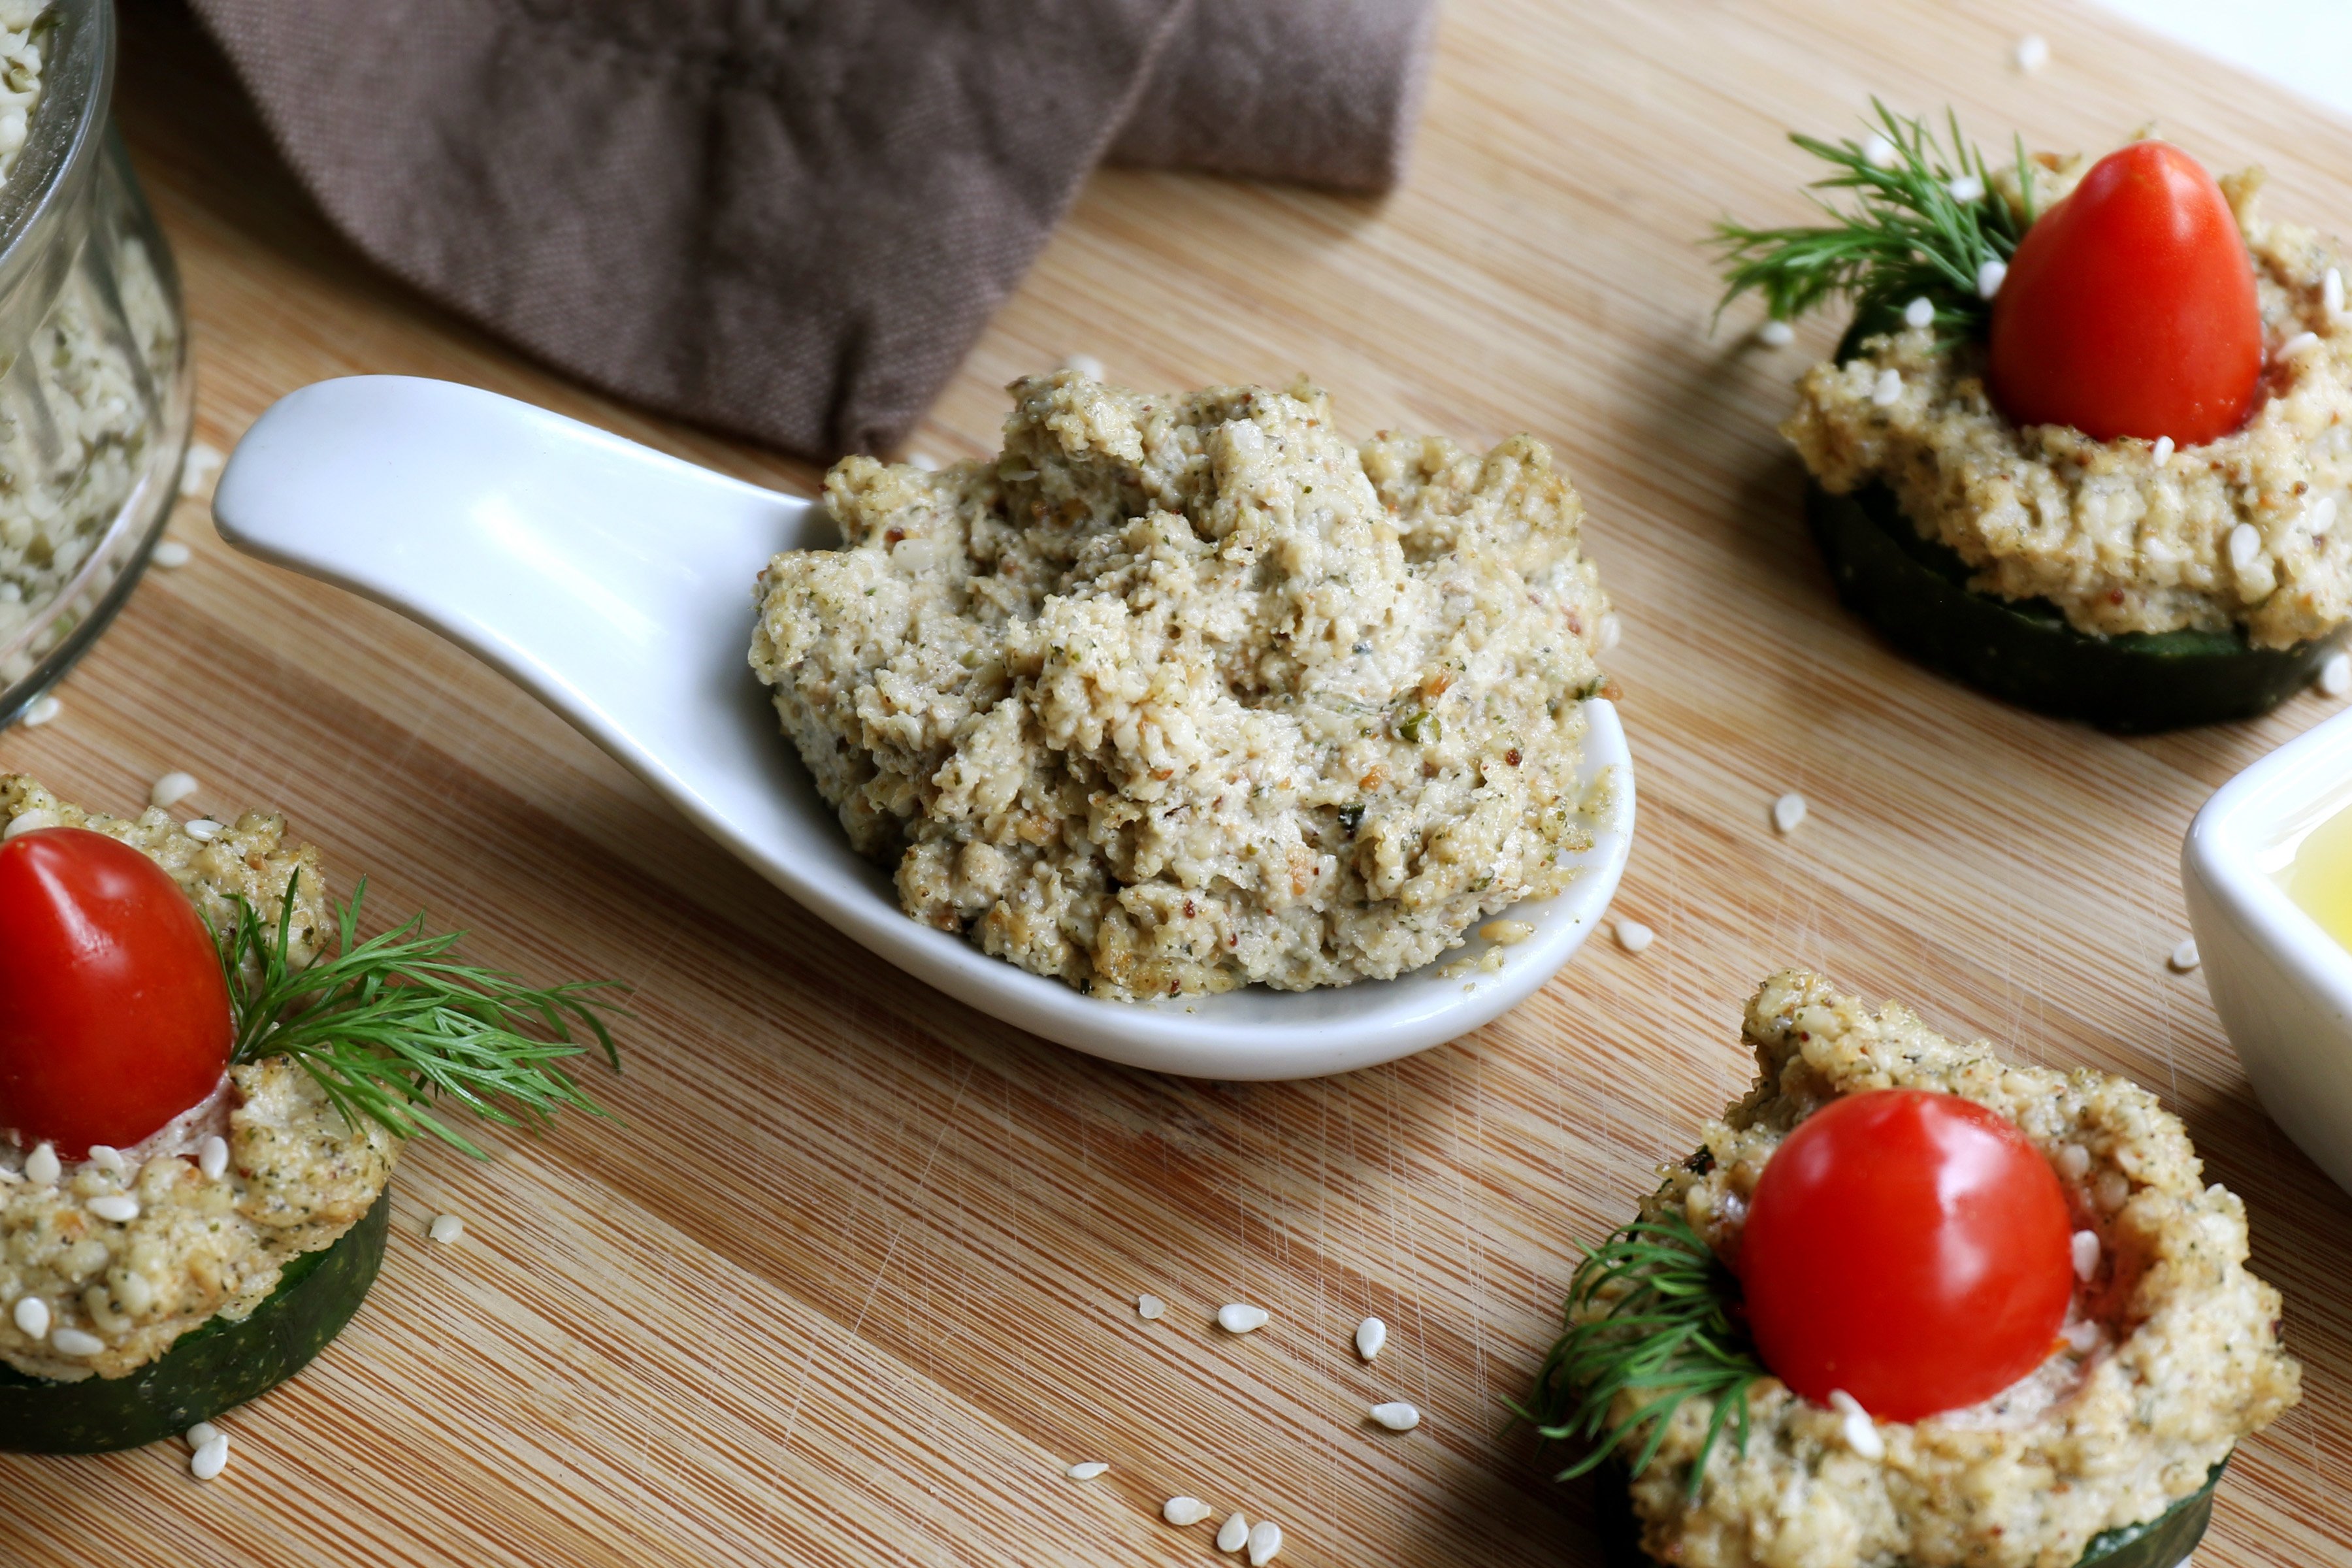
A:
<point x="2320" y="878"/>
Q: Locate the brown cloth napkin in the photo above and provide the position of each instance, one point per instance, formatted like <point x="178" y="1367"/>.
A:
<point x="788" y="218"/>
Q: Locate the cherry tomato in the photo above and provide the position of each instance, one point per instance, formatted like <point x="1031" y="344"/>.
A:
<point x="114" y="1017"/>
<point x="2129" y="306"/>
<point x="1910" y="1249"/>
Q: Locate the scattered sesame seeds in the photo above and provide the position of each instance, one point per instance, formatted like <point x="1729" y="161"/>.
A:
<point x="1396" y="1415"/>
<point x="1182" y="1511"/>
<point x="121" y="1209"/>
<point x="211" y="1457"/>
<point x="172" y="789"/>
<point x="2320" y="515"/>
<point x="2032" y="53"/>
<point x="2085" y="1244"/>
<point x="2301" y="343"/>
<point x="1776" y="335"/>
<point x="1613" y="630"/>
<point x="924" y="461"/>
<point x="32" y="1315"/>
<point x="171" y="555"/>
<point x="1233" y="1535"/>
<point x="42" y="1167"/>
<point x="202" y="1433"/>
<point x="107" y="1158"/>
<point x="2245" y="545"/>
<point x="1860" y="1435"/>
<point x="205" y="461"/>
<point x="41" y="709"/>
<point x="1241" y="1318"/>
<point x="446" y="1228"/>
<point x="1989" y="278"/>
<point x="1265" y="1541"/>
<point x="212" y="1157"/>
<point x="1085" y="366"/>
<point x="1149" y="1308"/>
<point x="2163" y="450"/>
<point x="1506" y="933"/>
<point x="1086" y="1470"/>
<point x="1633" y="936"/>
<point x="1919" y="312"/>
<point x="203" y="829"/>
<point x="2331" y="292"/>
<point x="1371" y="1335"/>
<point x="27" y="822"/>
<point x="2082" y="1338"/>
<point x="2184" y="957"/>
<point x="1967" y="188"/>
<point x="1880" y="153"/>
<point x="2336" y="673"/>
<point x="75" y="1341"/>
<point x="1888" y="388"/>
<point x="1789" y="813"/>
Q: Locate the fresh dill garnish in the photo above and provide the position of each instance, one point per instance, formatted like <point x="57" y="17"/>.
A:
<point x="1910" y="236"/>
<point x="1669" y="1336"/>
<point x="389" y="1024"/>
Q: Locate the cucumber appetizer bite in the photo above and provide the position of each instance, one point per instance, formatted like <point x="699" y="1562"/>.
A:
<point x="2083" y="442"/>
<point x="1914" y="1305"/>
<point x="206" y="1074"/>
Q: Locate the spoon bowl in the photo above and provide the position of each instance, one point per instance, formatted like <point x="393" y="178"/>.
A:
<point x="616" y="584"/>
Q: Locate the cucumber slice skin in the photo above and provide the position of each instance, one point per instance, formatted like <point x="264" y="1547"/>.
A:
<point x="1914" y="593"/>
<point x="208" y="1370"/>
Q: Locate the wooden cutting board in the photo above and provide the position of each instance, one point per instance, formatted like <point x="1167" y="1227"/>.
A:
<point x="850" y="1278"/>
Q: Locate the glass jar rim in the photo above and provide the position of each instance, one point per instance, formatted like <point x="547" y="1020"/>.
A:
<point x="58" y="163"/>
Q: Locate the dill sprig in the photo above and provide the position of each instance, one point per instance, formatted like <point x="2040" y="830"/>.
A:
<point x="1669" y="1336"/>
<point x="389" y="1024"/>
<point x="1908" y="236"/>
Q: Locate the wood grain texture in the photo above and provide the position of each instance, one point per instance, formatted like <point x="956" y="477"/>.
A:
<point x="852" y="1280"/>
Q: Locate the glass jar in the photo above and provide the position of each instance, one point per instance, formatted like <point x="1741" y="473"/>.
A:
<point x="95" y="394"/>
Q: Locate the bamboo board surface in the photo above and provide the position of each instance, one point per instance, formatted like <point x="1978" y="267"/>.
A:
<point x="854" y="1283"/>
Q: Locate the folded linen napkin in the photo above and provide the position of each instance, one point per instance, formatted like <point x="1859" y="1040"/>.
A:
<point x="788" y="218"/>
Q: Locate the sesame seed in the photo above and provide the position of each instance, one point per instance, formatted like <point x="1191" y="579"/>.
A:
<point x="2163" y="450"/>
<point x="171" y="555"/>
<point x="924" y="461"/>
<point x="202" y="1433"/>
<point x="1967" y="188"/>
<point x="120" y="1207"/>
<point x="172" y="789"/>
<point x="212" y="1156"/>
<point x="2184" y="957"/>
<point x="2301" y="342"/>
<point x="1989" y="278"/>
<point x="1860" y="1435"/>
<point x="1880" y="153"/>
<point x="27" y="822"/>
<point x="1776" y="335"/>
<point x="1613" y="631"/>
<point x="41" y="709"/>
<point x="1396" y="1415"/>
<point x="1233" y="1535"/>
<point x="2245" y="545"/>
<point x="1265" y="1541"/>
<point x="2074" y="1161"/>
<point x="75" y="1341"/>
<point x="1241" y="1318"/>
<point x="2320" y="515"/>
<point x="2032" y="53"/>
<point x="2331" y="292"/>
<point x="1086" y="1470"/>
<point x="1149" y="1307"/>
<point x="1789" y="812"/>
<point x="1181" y="1511"/>
<point x="107" y="1158"/>
<point x="2336" y="673"/>
<point x="32" y="1316"/>
<point x="1371" y="1335"/>
<point x="2086" y="1244"/>
<point x="1888" y="388"/>
<point x="1506" y="933"/>
<point x="446" y="1228"/>
<point x="203" y="829"/>
<point x="2081" y="1338"/>
<point x="1633" y="936"/>
<point x="1085" y="366"/>
<point x="42" y="1165"/>
<point x="1919" y="312"/>
<point x="211" y="1458"/>
<point x="203" y="461"/>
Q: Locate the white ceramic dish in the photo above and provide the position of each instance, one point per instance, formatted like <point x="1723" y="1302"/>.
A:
<point x="2282" y="984"/>
<point x="616" y="584"/>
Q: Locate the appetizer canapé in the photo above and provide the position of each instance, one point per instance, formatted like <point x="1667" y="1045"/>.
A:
<point x="1912" y="1304"/>
<point x="205" y="1077"/>
<point x="2084" y="442"/>
<point x="1186" y="692"/>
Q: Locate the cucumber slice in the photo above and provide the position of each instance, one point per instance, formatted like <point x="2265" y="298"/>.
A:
<point x="209" y="1368"/>
<point x="1915" y="592"/>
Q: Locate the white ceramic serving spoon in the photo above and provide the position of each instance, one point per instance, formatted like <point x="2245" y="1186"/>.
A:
<point x="616" y="584"/>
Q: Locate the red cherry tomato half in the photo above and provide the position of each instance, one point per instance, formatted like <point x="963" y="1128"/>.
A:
<point x="1910" y="1249"/>
<point x="114" y="1017"/>
<point x="2129" y="306"/>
